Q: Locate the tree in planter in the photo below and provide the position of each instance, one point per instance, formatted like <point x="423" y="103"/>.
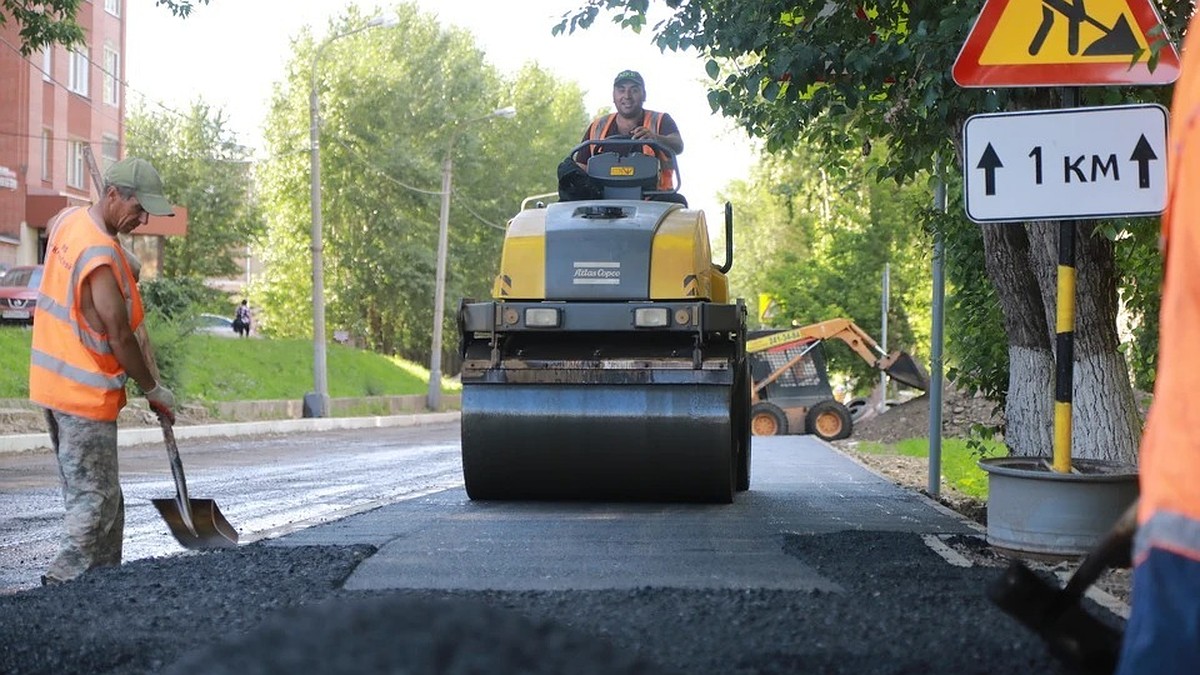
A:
<point x="841" y="75"/>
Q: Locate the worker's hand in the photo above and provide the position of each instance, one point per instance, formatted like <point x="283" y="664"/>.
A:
<point x="639" y="133"/>
<point x="162" y="401"/>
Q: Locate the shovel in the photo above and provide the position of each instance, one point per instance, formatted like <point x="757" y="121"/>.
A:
<point x="1056" y="615"/>
<point x="195" y="523"/>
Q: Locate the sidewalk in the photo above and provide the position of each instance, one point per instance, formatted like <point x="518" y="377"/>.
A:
<point x="127" y="436"/>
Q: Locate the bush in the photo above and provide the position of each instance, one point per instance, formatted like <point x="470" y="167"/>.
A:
<point x="180" y="299"/>
<point x="171" y="306"/>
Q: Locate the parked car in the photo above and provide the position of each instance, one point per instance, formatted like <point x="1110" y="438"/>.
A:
<point x="18" y="293"/>
<point x="214" y="324"/>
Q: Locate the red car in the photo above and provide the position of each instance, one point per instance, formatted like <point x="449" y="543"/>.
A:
<point x="18" y="294"/>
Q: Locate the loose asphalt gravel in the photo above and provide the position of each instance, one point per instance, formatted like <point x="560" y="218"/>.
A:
<point x="273" y="609"/>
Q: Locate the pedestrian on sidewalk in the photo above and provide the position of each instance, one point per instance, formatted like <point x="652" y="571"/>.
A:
<point x="88" y="339"/>
<point x="241" y="320"/>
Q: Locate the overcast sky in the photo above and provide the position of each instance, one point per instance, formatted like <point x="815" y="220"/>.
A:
<point x="231" y="53"/>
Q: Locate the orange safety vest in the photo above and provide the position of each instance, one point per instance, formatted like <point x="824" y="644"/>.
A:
<point x="1169" y="510"/>
<point x="602" y="126"/>
<point x="72" y="368"/>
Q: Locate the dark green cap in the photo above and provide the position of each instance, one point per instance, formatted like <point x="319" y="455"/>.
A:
<point x="629" y="76"/>
<point x="137" y="174"/>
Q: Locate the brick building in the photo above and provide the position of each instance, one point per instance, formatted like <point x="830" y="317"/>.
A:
<point x="54" y="104"/>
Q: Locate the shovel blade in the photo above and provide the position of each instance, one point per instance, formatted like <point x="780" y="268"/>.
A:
<point x="208" y="527"/>
<point x="1072" y="634"/>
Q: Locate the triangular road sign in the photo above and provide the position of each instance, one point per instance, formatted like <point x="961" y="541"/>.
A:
<point x="1055" y="43"/>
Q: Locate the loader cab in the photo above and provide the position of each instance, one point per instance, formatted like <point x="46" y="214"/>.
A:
<point x="802" y="385"/>
<point x="792" y="392"/>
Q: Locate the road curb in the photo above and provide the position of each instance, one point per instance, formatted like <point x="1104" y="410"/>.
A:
<point x="142" y="435"/>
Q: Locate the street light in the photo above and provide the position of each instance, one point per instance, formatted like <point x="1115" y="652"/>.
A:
<point x="433" y="400"/>
<point x="316" y="402"/>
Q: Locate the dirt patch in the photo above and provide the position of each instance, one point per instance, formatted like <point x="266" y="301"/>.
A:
<point x="960" y="413"/>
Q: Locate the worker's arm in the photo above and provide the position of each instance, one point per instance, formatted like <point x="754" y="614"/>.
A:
<point x="131" y="349"/>
<point x="674" y="142"/>
<point x="143" y="340"/>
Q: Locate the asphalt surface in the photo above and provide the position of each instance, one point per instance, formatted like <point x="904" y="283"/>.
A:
<point x="390" y="590"/>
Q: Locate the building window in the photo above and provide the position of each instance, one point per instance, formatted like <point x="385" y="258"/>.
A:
<point x="76" y="165"/>
<point x="113" y="7"/>
<point x="77" y="74"/>
<point x="110" y="151"/>
<point x="48" y="62"/>
<point x="47" y="155"/>
<point x="112" y="80"/>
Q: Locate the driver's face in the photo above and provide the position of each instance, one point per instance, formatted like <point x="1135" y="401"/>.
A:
<point x="628" y="98"/>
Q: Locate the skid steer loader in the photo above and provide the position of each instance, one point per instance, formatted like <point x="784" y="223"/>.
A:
<point x="791" y="392"/>
<point x="610" y="363"/>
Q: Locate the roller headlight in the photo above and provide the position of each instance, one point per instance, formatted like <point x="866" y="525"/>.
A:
<point x="651" y="317"/>
<point x="542" y="317"/>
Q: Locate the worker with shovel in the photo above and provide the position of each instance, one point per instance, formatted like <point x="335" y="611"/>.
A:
<point x="87" y="341"/>
<point x="1163" y="634"/>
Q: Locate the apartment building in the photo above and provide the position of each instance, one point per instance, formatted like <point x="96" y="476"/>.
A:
<point x="55" y="105"/>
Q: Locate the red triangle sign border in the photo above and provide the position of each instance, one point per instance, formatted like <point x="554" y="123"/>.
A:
<point x="969" y="72"/>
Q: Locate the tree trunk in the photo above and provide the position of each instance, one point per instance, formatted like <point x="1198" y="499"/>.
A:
<point x="1029" y="406"/>
<point x="1104" y="419"/>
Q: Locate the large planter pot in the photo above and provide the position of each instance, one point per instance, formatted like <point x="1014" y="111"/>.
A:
<point x="1034" y="509"/>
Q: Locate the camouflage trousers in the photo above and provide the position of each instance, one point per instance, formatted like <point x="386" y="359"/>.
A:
<point x="91" y="489"/>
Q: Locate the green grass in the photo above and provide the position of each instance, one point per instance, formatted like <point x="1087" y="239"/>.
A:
<point x="960" y="461"/>
<point x="215" y="369"/>
<point x="14" y="362"/>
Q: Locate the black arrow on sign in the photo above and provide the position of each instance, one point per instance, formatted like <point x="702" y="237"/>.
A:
<point x="989" y="163"/>
<point x="1142" y="154"/>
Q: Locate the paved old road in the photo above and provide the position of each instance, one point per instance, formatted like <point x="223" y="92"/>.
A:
<point x="431" y="536"/>
<point x="822" y="567"/>
<point x="265" y="485"/>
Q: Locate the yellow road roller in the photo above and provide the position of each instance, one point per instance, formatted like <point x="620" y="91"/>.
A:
<point x="610" y="363"/>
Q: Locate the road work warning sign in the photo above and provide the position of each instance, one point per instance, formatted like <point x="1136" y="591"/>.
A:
<point x="1017" y="43"/>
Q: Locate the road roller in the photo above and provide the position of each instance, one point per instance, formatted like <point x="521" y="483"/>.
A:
<point x="610" y="363"/>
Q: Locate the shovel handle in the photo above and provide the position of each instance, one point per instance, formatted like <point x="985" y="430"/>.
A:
<point x="181" y="492"/>
<point x="1112" y="551"/>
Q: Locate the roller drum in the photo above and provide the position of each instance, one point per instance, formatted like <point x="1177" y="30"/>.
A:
<point x="662" y="442"/>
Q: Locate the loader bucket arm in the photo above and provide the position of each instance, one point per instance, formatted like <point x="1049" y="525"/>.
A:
<point x="899" y="365"/>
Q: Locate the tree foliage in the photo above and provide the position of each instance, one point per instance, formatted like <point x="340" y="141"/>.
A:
<point x="817" y="243"/>
<point x="204" y="169"/>
<point x="393" y="102"/>
<point x="47" y="22"/>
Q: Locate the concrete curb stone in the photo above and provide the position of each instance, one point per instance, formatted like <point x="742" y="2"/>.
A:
<point x="142" y="435"/>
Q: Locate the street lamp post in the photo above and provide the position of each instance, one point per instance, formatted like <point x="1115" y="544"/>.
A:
<point x="316" y="402"/>
<point x="433" y="399"/>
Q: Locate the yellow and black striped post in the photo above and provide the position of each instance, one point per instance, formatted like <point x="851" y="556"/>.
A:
<point x="1064" y="345"/>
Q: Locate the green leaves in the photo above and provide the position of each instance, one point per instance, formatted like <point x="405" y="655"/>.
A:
<point x="816" y="234"/>
<point x="393" y="103"/>
<point x="47" y="22"/>
<point x="205" y="170"/>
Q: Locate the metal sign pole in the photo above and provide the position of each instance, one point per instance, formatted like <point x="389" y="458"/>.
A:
<point x="1064" y="332"/>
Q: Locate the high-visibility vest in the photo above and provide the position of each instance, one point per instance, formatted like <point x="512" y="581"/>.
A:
<point x="1169" y="458"/>
<point x="72" y="367"/>
<point x="602" y="126"/>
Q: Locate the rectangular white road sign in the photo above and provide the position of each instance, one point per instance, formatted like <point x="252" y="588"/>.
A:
<point x="1066" y="164"/>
